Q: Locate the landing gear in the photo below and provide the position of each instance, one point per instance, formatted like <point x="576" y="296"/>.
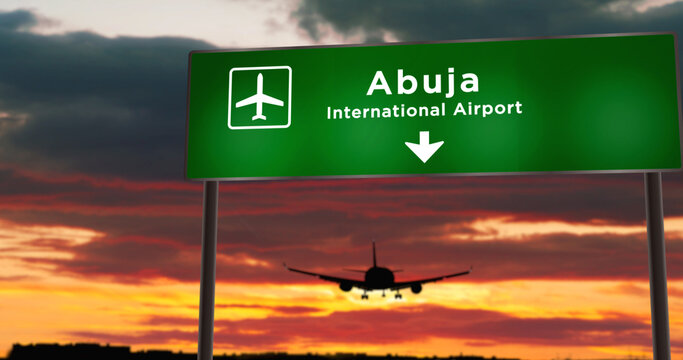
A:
<point x="364" y="296"/>
<point x="383" y="295"/>
<point x="398" y="296"/>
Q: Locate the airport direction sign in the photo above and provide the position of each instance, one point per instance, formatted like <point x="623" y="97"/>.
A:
<point x="571" y="104"/>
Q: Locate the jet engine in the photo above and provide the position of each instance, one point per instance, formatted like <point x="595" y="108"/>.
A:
<point x="345" y="286"/>
<point x="416" y="288"/>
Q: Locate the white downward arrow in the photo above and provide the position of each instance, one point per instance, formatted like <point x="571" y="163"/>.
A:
<point x="424" y="150"/>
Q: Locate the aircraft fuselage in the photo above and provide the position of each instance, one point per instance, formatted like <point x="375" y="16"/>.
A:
<point x="379" y="277"/>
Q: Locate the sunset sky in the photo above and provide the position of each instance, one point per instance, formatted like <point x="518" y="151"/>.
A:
<point x="100" y="234"/>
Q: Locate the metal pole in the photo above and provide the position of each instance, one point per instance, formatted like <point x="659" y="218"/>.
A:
<point x="207" y="283"/>
<point x="659" y="304"/>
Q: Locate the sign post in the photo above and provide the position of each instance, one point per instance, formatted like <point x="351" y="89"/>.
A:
<point x="581" y="104"/>
<point x="207" y="285"/>
<point x="659" y="303"/>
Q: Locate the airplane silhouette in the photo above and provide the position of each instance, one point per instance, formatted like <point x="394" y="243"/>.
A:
<point x="259" y="98"/>
<point x="377" y="278"/>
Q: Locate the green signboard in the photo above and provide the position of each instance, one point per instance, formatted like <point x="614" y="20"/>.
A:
<point x="573" y="104"/>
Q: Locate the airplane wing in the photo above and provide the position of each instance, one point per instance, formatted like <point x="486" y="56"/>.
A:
<point x="250" y="100"/>
<point x="407" y="284"/>
<point x="260" y="98"/>
<point x="271" y="100"/>
<point x="355" y="283"/>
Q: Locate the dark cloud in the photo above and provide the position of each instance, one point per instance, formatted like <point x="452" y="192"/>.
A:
<point x="472" y="19"/>
<point x="131" y="260"/>
<point x="328" y="225"/>
<point x="17" y="20"/>
<point x="371" y="204"/>
<point x="287" y="310"/>
<point x="22" y="190"/>
<point x="549" y="257"/>
<point x="371" y="327"/>
<point x="92" y="104"/>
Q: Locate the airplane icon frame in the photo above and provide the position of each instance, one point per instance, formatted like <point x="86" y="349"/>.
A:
<point x="289" y="97"/>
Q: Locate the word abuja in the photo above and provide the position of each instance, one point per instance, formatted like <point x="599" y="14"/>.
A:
<point x="409" y="84"/>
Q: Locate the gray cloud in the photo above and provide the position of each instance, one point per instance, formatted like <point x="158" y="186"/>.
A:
<point x="17" y="20"/>
<point x="87" y="103"/>
<point x="440" y="20"/>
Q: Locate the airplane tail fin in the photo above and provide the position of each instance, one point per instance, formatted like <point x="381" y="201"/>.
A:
<point x="255" y="117"/>
<point x="374" y="255"/>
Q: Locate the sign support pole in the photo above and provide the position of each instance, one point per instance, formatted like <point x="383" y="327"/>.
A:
<point x="207" y="283"/>
<point x="659" y="304"/>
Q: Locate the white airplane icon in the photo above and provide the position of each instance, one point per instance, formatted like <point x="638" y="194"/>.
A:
<point x="259" y="98"/>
